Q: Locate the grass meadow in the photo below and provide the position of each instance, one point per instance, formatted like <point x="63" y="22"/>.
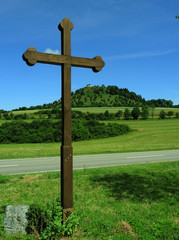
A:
<point x="112" y="203"/>
<point x="116" y="109"/>
<point x="124" y="202"/>
<point x="147" y="135"/>
<point x="100" y="110"/>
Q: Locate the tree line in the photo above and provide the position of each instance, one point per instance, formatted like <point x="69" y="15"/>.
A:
<point x="101" y="96"/>
<point x="55" y="113"/>
<point x="144" y="113"/>
<point x="51" y="131"/>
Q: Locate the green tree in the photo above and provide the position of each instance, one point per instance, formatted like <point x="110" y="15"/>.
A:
<point x="40" y="115"/>
<point x="135" y="113"/>
<point x="106" y="114"/>
<point x="162" y="114"/>
<point x="152" y="108"/>
<point x="6" y="116"/>
<point x="170" y="113"/>
<point x="119" y="114"/>
<point x="25" y="116"/>
<point x="11" y="115"/>
<point x="127" y="114"/>
<point x="145" y="112"/>
<point x="49" y="115"/>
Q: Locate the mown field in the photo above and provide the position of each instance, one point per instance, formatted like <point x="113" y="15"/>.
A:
<point x="33" y="113"/>
<point x="156" y="111"/>
<point x="147" y="135"/>
<point x="119" y="203"/>
<point x="115" y="109"/>
<point x="126" y="202"/>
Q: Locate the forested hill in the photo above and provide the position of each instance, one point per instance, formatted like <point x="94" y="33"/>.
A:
<point x="112" y="96"/>
<point x="101" y="96"/>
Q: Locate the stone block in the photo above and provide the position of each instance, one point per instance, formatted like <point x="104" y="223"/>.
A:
<point x="15" y="220"/>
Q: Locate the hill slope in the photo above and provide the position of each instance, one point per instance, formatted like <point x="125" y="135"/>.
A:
<point x="101" y="96"/>
<point x="112" y="96"/>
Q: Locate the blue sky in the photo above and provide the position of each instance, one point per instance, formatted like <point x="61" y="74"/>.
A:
<point x="137" y="39"/>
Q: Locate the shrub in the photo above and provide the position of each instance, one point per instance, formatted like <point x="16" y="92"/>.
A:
<point x="46" y="221"/>
<point x="49" y="131"/>
<point x="145" y="112"/>
<point x="127" y="114"/>
<point x="79" y="130"/>
<point x="170" y="113"/>
<point x="135" y="113"/>
<point x="162" y="114"/>
<point x="118" y="114"/>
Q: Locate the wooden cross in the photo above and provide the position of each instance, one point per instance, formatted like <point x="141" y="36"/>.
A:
<point x="31" y="56"/>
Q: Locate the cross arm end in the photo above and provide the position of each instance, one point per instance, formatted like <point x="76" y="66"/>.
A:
<point x="100" y="64"/>
<point x="30" y="56"/>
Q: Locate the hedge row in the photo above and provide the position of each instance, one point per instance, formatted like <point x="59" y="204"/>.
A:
<point x="49" y="131"/>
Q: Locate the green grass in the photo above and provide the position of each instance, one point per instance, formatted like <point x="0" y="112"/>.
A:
<point x="25" y="111"/>
<point x="116" y="109"/>
<point x="126" y="202"/>
<point x="149" y="135"/>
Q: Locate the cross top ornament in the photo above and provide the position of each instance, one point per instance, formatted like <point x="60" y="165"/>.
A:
<point x="31" y="57"/>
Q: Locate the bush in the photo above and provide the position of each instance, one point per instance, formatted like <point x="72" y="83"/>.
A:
<point x="118" y="114"/>
<point x="49" y="131"/>
<point x="135" y="113"/>
<point x="162" y="114"/>
<point x="127" y="114"/>
<point x="101" y="130"/>
<point x="46" y="221"/>
<point x="145" y="112"/>
<point x="34" y="132"/>
<point x="79" y="130"/>
<point x="170" y="113"/>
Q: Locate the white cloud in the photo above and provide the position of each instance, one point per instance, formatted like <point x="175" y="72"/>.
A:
<point x="49" y="50"/>
<point x="141" y="54"/>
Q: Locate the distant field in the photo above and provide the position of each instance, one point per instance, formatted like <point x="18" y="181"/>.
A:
<point x="32" y="114"/>
<point x="116" y="109"/>
<point x="148" y="135"/>
<point x="25" y="111"/>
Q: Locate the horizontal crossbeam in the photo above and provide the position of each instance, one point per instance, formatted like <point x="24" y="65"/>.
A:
<point x="31" y="56"/>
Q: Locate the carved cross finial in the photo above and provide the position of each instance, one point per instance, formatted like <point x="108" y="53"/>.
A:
<point x="30" y="56"/>
<point x="65" y="23"/>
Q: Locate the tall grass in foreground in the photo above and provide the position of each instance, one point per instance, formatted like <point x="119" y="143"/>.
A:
<point x="126" y="202"/>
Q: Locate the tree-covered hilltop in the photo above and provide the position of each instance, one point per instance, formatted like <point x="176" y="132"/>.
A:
<point x="101" y="96"/>
<point x="112" y="96"/>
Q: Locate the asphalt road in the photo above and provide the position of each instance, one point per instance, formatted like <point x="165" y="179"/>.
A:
<point x="47" y="164"/>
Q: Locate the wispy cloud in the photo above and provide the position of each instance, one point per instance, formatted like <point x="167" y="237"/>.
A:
<point x="142" y="54"/>
<point x="49" y="50"/>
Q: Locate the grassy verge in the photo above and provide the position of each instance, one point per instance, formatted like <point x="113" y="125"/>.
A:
<point x="126" y="202"/>
<point x="149" y="135"/>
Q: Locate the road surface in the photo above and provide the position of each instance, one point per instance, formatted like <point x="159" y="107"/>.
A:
<point x="47" y="164"/>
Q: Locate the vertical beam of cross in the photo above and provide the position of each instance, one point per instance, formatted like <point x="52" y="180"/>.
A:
<point x="66" y="149"/>
<point x="31" y="56"/>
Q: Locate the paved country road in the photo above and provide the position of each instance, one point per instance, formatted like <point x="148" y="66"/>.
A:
<point x="47" y="164"/>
